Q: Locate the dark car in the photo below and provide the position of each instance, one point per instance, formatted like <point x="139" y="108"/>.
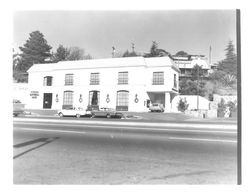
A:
<point x="106" y="112"/>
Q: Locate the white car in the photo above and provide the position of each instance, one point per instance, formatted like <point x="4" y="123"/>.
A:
<point x="73" y="112"/>
<point x="156" y="107"/>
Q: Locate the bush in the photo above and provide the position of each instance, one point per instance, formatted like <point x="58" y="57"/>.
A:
<point x="233" y="108"/>
<point x="182" y="105"/>
<point x="221" y="108"/>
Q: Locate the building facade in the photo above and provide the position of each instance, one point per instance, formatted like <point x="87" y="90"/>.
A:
<point x="125" y="84"/>
<point x="187" y="63"/>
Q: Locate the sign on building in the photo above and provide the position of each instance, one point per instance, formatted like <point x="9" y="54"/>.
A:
<point x="34" y="94"/>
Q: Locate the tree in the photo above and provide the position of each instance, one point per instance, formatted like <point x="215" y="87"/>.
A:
<point x="225" y="78"/>
<point x="61" y="54"/>
<point x="69" y="54"/>
<point x="129" y="54"/>
<point x="155" y="52"/>
<point x="229" y="64"/>
<point x="182" y="104"/>
<point x="181" y="53"/>
<point x="75" y="53"/>
<point x="16" y="59"/>
<point x="197" y="72"/>
<point x="87" y="57"/>
<point x="189" y="87"/>
<point x="35" y="50"/>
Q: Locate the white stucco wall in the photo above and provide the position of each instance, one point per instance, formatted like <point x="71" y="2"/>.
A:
<point x="192" y="101"/>
<point x="139" y="83"/>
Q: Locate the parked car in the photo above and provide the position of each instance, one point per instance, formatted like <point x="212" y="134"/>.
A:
<point x="106" y="112"/>
<point x="77" y="112"/>
<point x="156" y="107"/>
<point x="18" y="107"/>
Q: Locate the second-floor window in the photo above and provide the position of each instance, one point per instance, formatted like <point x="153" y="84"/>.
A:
<point x="175" y="81"/>
<point x="94" y="79"/>
<point x="158" y="78"/>
<point x="122" y="78"/>
<point x="47" y="81"/>
<point x="69" y="79"/>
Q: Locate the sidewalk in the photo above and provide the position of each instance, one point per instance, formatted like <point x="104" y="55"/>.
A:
<point x="146" y="117"/>
<point x="126" y="123"/>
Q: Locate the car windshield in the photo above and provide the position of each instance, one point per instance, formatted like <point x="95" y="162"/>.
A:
<point x="155" y="104"/>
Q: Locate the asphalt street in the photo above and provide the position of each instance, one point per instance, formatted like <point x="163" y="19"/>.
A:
<point x="72" y="151"/>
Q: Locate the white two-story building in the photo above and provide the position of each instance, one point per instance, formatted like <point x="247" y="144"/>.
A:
<point x="187" y="63"/>
<point x="125" y="84"/>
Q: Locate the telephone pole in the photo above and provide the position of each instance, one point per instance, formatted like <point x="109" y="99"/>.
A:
<point x="210" y="53"/>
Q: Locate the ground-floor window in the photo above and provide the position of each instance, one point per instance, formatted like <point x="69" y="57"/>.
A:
<point x="122" y="100"/>
<point x="68" y="99"/>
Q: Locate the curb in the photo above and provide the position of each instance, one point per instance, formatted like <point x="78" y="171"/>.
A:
<point x="128" y="123"/>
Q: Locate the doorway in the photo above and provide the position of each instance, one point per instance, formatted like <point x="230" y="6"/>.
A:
<point x="47" y="100"/>
<point x="94" y="100"/>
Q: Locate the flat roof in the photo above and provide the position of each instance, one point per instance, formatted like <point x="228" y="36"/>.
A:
<point x="104" y="63"/>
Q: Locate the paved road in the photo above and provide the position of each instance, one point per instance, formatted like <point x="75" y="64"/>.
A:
<point x="58" y="151"/>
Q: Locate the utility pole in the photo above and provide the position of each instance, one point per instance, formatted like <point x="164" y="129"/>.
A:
<point x="198" y="72"/>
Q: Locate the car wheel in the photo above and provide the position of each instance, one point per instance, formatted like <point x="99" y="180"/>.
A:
<point x="108" y="115"/>
<point x="60" y="114"/>
<point x="78" y="115"/>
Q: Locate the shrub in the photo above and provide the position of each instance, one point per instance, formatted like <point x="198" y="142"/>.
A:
<point x="232" y="106"/>
<point x="182" y="105"/>
<point x="221" y="108"/>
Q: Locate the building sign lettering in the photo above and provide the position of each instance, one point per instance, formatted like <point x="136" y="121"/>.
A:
<point x="34" y="94"/>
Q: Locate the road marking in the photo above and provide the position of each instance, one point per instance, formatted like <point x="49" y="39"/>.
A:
<point x="139" y="128"/>
<point x="207" y="140"/>
<point x="112" y="136"/>
<point x="207" y="126"/>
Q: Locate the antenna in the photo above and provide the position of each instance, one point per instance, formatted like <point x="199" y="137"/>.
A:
<point x="210" y="52"/>
<point x="133" y="47"/>
<point x="113" y="51"/>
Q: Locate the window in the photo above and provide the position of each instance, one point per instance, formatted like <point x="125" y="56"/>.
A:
<point x="94" y="79"/>
<point x="47" y="81"/>
<point x="68" y="99"/>
<point x="122" y="100"/>
<point x="122" y="78"/>
<point x="158" y="78"/>
<point x="182" y="71"/>
<point x="175" y="81"/>
<point x="69" y="79"/>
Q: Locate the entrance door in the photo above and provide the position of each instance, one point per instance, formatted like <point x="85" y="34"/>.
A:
<point x="47" y="100"/>
<point x="94" y="99"/>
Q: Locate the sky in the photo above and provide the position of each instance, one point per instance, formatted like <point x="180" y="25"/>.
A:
<point x="192" y="31"/>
